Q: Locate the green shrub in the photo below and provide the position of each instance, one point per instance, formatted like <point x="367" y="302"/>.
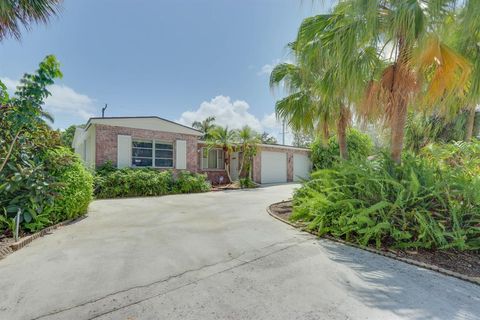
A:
<point x="419" y="204"/>
<point x="323" y="156"/>
<point x="246" y="183"/>
<point x="74" y="184"/>
<point x="136" y="182"/>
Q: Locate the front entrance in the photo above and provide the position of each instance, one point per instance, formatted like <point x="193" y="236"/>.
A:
<point x="234" y="166"/>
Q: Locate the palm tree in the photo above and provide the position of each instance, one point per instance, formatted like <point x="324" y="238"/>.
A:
<point x="248" y="140"/>
<point x="225" y="139"/>
<point x="206" y="126"/>
<point x="15" y="13"/>
<point x="421" y="71"/>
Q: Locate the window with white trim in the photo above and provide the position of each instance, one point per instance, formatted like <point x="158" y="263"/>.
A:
<point x="148" y="153"/>
<point x="213" y="159"/>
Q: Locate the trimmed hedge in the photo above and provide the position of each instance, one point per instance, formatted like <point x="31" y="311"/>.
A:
<point x="137" y="182"/>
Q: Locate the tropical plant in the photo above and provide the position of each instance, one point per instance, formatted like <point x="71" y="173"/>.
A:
<point x="423" y="72"/>
<point x="323" y="156"/>
<point x="16" y="13"/>
<point x="419" y="204"/>
<point x="247" y="143"/>
<point x="226" y="139"/>
<point x="67" y="135"/>
<point x="206" y="127"/>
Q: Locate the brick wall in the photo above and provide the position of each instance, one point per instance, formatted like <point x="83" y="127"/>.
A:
<point x="106" y="143"/>
<point x="257" y="160"/>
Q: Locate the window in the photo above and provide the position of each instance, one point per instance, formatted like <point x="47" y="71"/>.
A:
<point x="147" y="153"/>
<point x="213" y="159"/>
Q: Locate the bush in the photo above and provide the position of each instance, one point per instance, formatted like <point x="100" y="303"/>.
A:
<point x="247" y="183"/>
<point x="52" y="187"/>
<point x="74" y="187"/>
<point x="419" y="204"/>
<point x="323" y="156"/>
<point x="135" y="182"/>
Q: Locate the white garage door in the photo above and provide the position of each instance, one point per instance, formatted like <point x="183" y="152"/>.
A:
<point x="274" y="167"/>
<point x="301" y="167"/>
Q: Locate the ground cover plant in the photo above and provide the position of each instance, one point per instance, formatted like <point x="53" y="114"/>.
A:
<point x="137" y="182"/>
<point x="427" y="202"/>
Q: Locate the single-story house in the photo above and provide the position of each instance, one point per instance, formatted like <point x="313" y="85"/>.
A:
<point x="159" y="143"/>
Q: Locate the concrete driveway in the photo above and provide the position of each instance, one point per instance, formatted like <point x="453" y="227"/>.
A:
<point x="214" y="256"/>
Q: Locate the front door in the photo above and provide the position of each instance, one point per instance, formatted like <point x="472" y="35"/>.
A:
<point x="234" y="166"/>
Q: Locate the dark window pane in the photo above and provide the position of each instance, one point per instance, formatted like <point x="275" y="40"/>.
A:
<point x="141" y="162"/>
<point x="142" y="144"/>
<point x="163" y="146"/>
<point x="164" y="163"/>
<point x="142" y="152"/>
<point x="163" y="154"/>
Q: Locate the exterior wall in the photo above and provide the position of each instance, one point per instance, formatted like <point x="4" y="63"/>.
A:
<point x="213" y="175"/>
<point x="106" y="143"/>
<point x="257" y="160"/>
<point x="85" y="148"/>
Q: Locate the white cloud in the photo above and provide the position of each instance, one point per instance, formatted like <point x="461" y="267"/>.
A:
<point x="235" y="114"/>
<point x="266" y="69"/>
<point x="63" y="100"/>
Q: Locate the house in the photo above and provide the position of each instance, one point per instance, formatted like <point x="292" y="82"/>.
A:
<point x="159" y="143"/>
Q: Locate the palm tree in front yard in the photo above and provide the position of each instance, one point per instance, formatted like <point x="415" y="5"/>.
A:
<point x="226" y="139"/>
<point x="248" y="140"/>
<point x="206" y="126"/>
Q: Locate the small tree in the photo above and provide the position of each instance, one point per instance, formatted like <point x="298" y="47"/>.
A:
<point x="206" y="127"/>
<point x="247" y="145"/>
<point x="225" y="139"/>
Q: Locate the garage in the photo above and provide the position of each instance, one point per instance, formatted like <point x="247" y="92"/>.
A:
<point x="273" y="167"/>
<point x="301" y="167"/>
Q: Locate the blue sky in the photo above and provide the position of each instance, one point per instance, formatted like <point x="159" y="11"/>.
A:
<point x="181" y="60"/>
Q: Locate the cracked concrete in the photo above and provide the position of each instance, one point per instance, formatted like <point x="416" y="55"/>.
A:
<point x="214" y="256"/>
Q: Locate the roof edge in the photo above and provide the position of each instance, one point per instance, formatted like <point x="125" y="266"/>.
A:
<point x="142" y="117"/>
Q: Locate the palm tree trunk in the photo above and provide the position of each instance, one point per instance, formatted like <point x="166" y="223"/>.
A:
<point x="399" y="118"/>
<point x="227" y="166"/>
<point x="342" y="132"/>
<point x="470" y="125"/>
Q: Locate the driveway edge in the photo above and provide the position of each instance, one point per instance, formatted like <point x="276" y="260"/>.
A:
<point x="14" y="246"/>
<point x="474" y="280"/>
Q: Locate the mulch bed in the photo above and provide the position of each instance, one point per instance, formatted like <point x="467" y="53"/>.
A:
<point x="465" y="263"/>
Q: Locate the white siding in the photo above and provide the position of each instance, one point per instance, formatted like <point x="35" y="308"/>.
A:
<point x="274" y="167"/>
<point x="124" y="151"/>
<point x="301" y="167"/>
<point x="181" y="154"/>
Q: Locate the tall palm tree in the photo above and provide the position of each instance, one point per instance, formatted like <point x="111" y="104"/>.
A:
<point x="226" y="139"/>
<point x="206" y="126"/>
<point x="17" y="13"/>
<point x="421" y="71"/>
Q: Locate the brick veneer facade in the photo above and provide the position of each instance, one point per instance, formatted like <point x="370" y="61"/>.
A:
<point x="257" y="161"/>
<point x="106" y="143"/>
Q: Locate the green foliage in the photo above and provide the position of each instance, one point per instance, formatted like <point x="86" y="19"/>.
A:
<point x="136" y="182"/>
<point x="74" y="184"/>
<point x="427" y="202"/>
<point x="67" y="136"/>
<point x="247" y="183"/>
<point x="324" y="156"/>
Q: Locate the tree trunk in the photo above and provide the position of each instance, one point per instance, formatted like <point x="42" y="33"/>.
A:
<point x="342" y="125"/>
<point x="470" y="125"/>
<point x="398" y="120"/>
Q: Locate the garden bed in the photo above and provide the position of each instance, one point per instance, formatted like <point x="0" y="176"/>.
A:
<point x="462" y="264"/>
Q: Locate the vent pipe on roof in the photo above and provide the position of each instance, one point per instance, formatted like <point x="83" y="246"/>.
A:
<point x="103" y="110"/>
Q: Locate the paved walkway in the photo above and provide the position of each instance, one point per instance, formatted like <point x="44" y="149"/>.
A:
<point x="214" y="256"/>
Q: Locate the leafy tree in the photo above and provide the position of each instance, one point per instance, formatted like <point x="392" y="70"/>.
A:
<point x="206" y="127"/>
<point x="15" y="13"/>
<point x="302" y="140"/>
<point x="266" y="138"/>
<point x="67" y="135"/>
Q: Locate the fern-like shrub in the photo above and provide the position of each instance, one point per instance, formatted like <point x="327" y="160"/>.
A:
<point x="423" y="203"/>
<point x="136" y="182"/>
<point x="359" y="145"/>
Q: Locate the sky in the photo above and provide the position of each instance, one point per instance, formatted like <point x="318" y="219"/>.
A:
<point x="182" y="60"/>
